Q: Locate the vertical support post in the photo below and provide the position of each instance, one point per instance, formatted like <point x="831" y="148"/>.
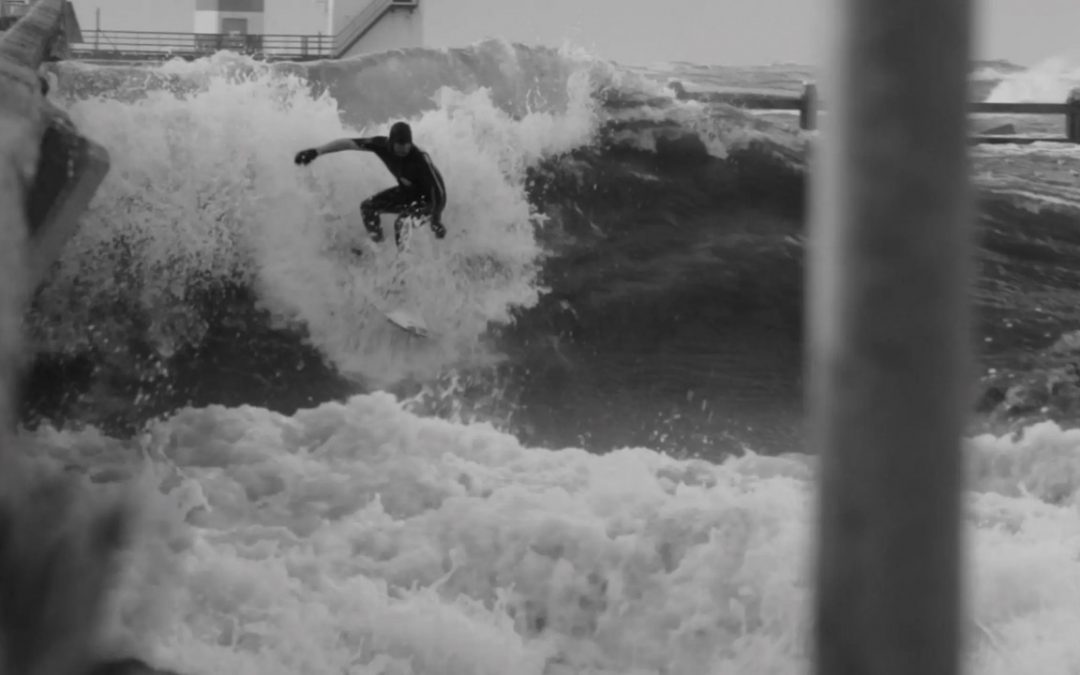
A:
<point x="808" y="112"/>
<point x="97" y="29"/>
<point x="1072" y="116"/>
<point x="888" y="338"/>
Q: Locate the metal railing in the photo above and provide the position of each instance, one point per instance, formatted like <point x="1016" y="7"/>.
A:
<point x="139" y="45"/>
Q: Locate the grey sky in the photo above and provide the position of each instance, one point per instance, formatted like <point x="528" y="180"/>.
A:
<point x="647" y="31"/>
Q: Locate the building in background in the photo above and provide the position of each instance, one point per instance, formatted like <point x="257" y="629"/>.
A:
<point x="365" y="26"/>
<point x="230" y="17"/>
<point x="348" y="28"/>
<point x="352" y="26"/>
<point x="230" y="24"/>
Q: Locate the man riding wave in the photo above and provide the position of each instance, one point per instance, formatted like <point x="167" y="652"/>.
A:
<point x="420" y="190"/>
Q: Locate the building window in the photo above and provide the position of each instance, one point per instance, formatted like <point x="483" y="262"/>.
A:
<point x="234" y="26"/>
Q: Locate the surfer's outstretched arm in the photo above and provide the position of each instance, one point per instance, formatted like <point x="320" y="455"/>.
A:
<point x="338" y="145"/>
<point x="309" y="155"/>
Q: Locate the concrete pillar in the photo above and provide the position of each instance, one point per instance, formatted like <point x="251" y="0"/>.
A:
<point x="808" y="111"/>
<point x="1072" y="116"/>
<point x="888" y="337"/>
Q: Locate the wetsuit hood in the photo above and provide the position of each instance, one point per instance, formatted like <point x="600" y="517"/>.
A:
<point x="400" y="133"/>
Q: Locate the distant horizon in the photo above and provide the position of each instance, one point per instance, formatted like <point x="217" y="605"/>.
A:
<point x="757" y="33"/>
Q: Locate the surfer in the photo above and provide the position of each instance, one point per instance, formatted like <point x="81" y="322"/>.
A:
<point x="420" y="190"/>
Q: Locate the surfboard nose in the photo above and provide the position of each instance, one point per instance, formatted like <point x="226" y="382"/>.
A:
<point x="408" y="322"/>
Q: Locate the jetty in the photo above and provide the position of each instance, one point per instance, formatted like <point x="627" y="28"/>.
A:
<point x="808" y="106"/>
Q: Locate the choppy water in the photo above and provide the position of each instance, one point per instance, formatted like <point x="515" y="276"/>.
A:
<point x="549" y="485"/>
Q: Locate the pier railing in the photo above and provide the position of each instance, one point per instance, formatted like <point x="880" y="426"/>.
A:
<point x="808" y="106"/>
<point x="141" y="46"/>
<point x="128" y="45"/>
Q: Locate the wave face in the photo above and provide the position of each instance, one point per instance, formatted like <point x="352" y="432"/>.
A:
<point x="205" y="207"/>
<point x="204" y="195"/>
<point x="624" y="265"/>
<point x="211" y="269"/>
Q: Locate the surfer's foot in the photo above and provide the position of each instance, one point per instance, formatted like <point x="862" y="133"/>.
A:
<point x="374" y="230"/>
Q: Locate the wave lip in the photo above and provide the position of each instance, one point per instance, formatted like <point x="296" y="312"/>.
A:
<point x="1049" y="81"/>
<point x="207" y="246"/>
<point x="606" y="236"/>
<point x="204" y="196"/>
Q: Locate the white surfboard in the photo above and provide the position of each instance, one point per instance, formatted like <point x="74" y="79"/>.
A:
<point x="408" y="322"/>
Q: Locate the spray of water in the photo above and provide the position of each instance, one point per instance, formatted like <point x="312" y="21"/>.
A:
<point x="1049" y="81"/>
<point x="204" y="194"/>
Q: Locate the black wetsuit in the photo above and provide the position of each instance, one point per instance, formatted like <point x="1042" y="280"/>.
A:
<point x="420" y="189"/>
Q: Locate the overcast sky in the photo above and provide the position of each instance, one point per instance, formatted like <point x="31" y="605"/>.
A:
<point x="644" y="31"/>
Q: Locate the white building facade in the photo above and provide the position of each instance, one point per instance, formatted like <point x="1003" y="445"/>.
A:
<point x="230" y="17"/>
<point x="366" y="26"/>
